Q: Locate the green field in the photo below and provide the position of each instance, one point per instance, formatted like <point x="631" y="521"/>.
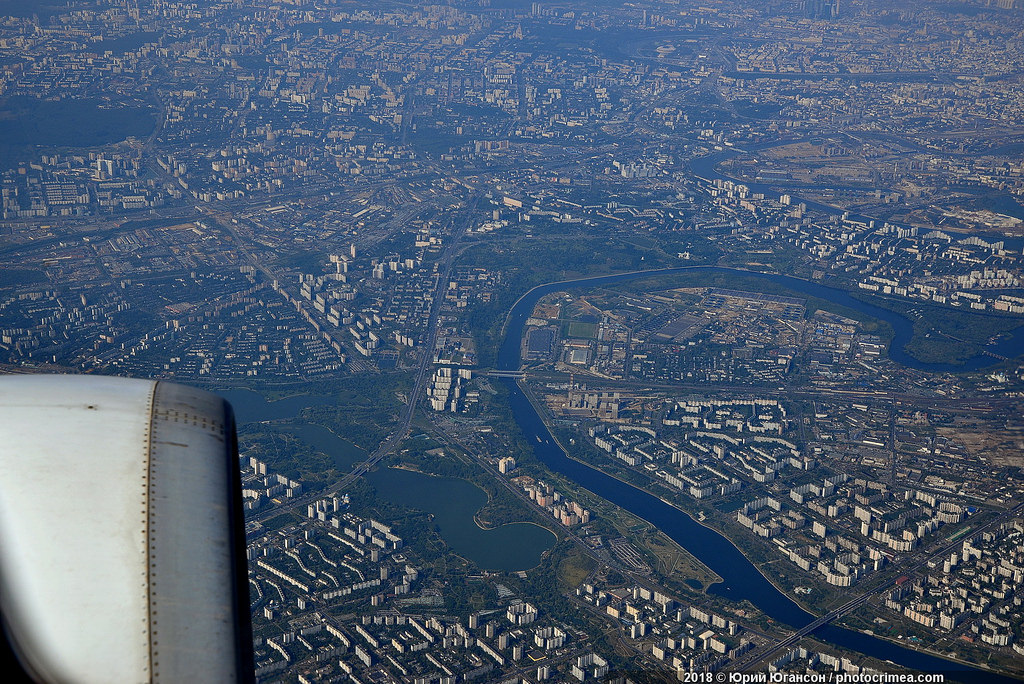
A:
<point x="579" y="329"/>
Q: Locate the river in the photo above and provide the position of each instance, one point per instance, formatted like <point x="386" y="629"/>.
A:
<point x="1011" y="345"/>
<point x="740" y="579"/>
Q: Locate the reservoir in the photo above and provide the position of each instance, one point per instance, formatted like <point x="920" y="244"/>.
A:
<point x="740" y="579"/>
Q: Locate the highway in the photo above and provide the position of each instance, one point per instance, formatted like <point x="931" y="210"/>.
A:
<point x="425" y="365"/>
<point x="400" y="432"/>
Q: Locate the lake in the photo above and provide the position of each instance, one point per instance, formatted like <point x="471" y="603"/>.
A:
<point x="453" y="503"/>
<point x="253" y="407"/>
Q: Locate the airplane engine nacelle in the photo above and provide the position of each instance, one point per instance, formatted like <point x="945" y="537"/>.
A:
<point x="122" y="541"/>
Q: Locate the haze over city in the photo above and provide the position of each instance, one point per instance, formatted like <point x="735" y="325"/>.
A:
<point x="567" y="341"/>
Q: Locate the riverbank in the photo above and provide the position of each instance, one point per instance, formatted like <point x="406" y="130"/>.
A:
<point x="741" y="580"/>
<point x="812" y="610"/>
<point x="903" y="327"/>
<point x="533" y="401"/>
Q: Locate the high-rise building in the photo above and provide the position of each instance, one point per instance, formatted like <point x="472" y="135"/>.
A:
<point x="820" y="9"/>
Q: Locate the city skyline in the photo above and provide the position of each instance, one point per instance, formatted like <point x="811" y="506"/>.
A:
<point x="497" y="286"/>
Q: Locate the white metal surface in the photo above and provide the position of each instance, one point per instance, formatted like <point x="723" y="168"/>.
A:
<point x="115" y="556"/>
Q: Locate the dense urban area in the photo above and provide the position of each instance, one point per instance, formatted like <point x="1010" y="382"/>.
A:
<point x="326" y="210"/>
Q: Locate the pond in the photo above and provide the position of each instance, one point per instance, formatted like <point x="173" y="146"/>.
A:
<point x="453" y="503"/>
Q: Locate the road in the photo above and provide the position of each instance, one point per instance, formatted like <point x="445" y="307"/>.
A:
<point x="426" y="359"/>
<point x="757" y="659"/>
<point x="979" y="404"/>
<point x="401" y="430"/>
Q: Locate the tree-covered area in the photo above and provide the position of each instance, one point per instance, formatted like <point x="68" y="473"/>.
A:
<point x="347" y="419"/>
<point x="287" y="455"/>
<point x="28" y="123"/>
<point x="366" y="410"/>
<point x="943" y="334"/>
<point x="524" y="264"/>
